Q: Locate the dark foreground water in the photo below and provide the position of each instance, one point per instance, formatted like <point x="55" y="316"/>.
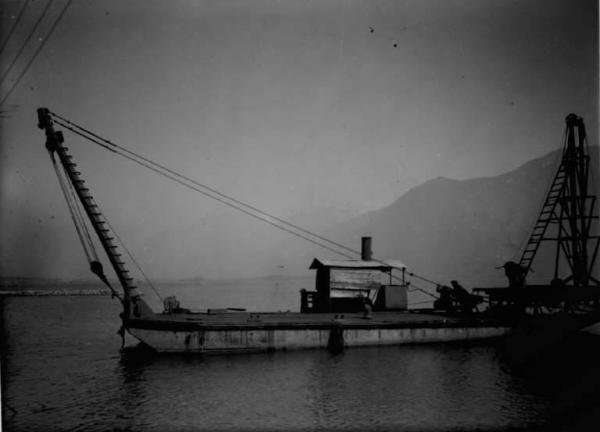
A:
<point x="63" y="371"/>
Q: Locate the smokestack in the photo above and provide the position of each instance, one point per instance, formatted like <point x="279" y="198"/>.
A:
<point x="365" y="250"/>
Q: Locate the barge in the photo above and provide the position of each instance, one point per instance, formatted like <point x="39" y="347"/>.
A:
<point x="356" y="302"/>
<point x="236" y="332"/>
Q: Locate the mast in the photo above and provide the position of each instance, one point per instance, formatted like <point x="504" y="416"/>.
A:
<point x="55" y="146"/>
<point x="574" y="236"/>
<point x="569" y="209"/>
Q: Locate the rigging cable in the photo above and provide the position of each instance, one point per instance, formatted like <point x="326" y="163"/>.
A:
<point x="175" y="179"/>
<point x="70" y="205"/>
<point x="133" y="260"/>
<point x="90" y="243"/>
<point x="424" y="291"/>
<point x="214" y="194"/>
<point x="418" y="303"/>
<point x="212" y="190"/>
<point x="79" y="222"/>
<point x="14" y="26"/>
<point x="424" y="279"/>
<point x="81" y="219"/>
<point x="37" y="52"/>
<point x="29" y="36"/>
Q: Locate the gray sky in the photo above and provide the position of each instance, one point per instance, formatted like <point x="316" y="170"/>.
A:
<point x="292" y="106"/>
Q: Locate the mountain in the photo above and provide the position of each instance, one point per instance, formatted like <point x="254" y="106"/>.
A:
<point x="442" y="229"/>
<point x="461" y="229"/>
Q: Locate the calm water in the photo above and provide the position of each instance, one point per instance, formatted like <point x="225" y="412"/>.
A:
<point x="64" y="371"/>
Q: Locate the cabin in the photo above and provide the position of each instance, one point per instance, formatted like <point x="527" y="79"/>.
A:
<point x="349" y="285"/>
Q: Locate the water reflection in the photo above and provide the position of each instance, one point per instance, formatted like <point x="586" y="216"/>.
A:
<point x="73" y="378"/>
<point x="411" y="386"/>
<point x="565" y="378"/>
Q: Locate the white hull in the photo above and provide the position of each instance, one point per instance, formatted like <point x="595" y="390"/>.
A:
<point x="250" y="340"/>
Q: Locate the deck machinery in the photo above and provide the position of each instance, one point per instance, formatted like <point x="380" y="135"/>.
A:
<point x="567" y="222"/>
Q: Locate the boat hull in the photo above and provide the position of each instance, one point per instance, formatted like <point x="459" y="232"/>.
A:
<point x="240" y="333"/>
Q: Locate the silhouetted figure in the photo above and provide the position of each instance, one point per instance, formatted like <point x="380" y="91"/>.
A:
<point x="445" y="301"/>
<point x="456" y="298"/>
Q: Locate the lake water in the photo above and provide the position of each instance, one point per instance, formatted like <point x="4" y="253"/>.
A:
<point x="63" y="370"/>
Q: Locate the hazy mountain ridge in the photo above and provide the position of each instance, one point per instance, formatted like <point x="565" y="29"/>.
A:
<point x="461" y="229"/>
<point x="443" y="229"/>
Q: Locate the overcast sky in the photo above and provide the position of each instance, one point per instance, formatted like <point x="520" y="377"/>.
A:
<point x="292" y="106"/>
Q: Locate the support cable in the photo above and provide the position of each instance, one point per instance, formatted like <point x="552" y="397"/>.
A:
<point x="212" y="190"/>
<point x="14" y="26"/>
<point x="81" y="219"/>
<point x="133" y="260"/>
<point x="418" y="303"/>
<point x="424" y="291"/>
<point x="213" y="193"/>
<point x="36" y="53"/>
<point x="422" y="278"/>
<point x="29" y="36"/>
<point x="73" y="213"/>
<point x="177" y="180"/>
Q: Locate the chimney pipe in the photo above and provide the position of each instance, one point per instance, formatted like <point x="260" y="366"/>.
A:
<point x="365" y="251"/>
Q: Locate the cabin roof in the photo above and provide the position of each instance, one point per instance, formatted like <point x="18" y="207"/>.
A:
<point x="357" y="264"/>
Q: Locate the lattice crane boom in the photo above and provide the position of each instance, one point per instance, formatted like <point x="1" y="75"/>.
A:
<point x="569" y="207"/>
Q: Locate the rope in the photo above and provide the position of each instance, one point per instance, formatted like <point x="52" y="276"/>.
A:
<point x="14" y="26"/>
<point x="194" y="182"/>
<point x="417" y="288"/>
<point x="80" y="225"/>
<point x="133" y="259"/>
<point x="422" y="278"/>
<point x="214" y="194"/>
<point x="36" y="53"/>
<point x="29" y="36"/>
<point x="82" y="221"/>
<point x="64" y="190"/>
<point x="175" y="179"/>
<point x="418" y="303"/>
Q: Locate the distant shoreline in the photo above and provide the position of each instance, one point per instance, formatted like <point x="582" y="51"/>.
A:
<point x="54" y="292"/>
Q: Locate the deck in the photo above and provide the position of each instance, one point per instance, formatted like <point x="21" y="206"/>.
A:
<point x="296" y="320"/>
